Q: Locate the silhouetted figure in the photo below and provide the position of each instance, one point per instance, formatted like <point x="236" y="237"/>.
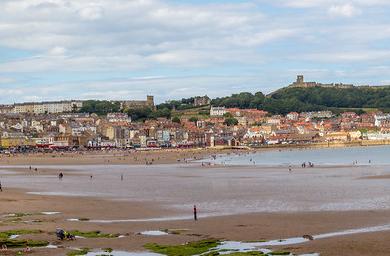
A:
<point x="195" y="213"/>
<point x="60" y="176"/>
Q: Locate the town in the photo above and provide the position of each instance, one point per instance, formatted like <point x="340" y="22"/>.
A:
<point x="61" y="126"/>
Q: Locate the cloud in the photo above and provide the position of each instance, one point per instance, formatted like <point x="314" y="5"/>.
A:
<point x="351" y="56"/>
<point x="344" y="10"/>
<point x="137" y="33"/>
<point x="91" y="13"/>
<point x="162" y="88"/>
<point x="55" y="42"/>
<point x="57" y="51"/>
<point x="16" y="92"/>
<point x="6" y="80"/>
<point x="58" y="62"/>
<point x="327" y="3"/>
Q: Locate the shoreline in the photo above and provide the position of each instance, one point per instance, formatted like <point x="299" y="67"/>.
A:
<point x="358" y="143"/>
<point x="163" y="156"/>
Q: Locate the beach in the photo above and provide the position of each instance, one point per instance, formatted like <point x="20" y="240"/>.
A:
<point x="235" y="203"/>
<point x="157" y="156"/>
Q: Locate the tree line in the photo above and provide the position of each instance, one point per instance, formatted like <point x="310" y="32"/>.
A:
<point x="282" y="101"/>
<point x="290" y="99"/>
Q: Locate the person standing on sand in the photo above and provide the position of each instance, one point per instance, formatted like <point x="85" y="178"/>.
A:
<point x="1" y="188"/>
<point x="122" y="177"/>
<point x="195" y="213"/>
<point x="60" y="176"/>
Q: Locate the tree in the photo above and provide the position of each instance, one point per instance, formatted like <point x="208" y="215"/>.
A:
<point x="228" y="115"/>
<point x="164" y="112"/>
<point x="193" y="119"/>
<point x="176" y="119"/>
<point x="102" y="107"/>
<point x="138" y="114"/>
<point x="231" y="121"/>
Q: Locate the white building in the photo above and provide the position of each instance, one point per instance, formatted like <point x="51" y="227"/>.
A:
<point x="118" y="117"/>
<point x="379" y="119"/>
<point x="217" y="111"/>
<point x="378" y="136"/>
<point x="47" y="107"/>
<point x="294" y="116"/>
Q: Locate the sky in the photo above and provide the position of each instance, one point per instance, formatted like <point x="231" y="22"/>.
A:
<point x="126" y="49"/>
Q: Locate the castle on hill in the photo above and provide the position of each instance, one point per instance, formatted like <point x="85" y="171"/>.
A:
<point x="302" y="84"/>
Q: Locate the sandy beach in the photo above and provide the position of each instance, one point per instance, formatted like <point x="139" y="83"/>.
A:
<point x="127" y="210"/>
<point x="247" y="227"/>
<point x="112" y="157"/>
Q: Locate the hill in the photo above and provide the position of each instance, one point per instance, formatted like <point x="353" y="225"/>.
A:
<point x="296" y="98"/>
<point x="321" y="97"/>
<point x="300" y="99"/>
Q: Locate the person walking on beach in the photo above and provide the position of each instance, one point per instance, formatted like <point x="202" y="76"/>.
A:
<point x="195" y="213"/>
<point x="60" y="176"/>
<point x="1" y="187"/>
<point x="122" y="177"/>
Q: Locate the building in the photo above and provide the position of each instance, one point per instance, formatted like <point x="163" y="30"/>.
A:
<point x="15" y="139"/>
<point x="300" y="82"/>
<point x="118" y="117"/>
<point x="293" y="116"/>
<point x="381" y="119"/>
<point x="51" y="107"/>
<point x="148" y="103"/>
<point x="201" y="101"/>
<point x="217" y="111"/>
<point x="6" y="109"/>
<point x="248" y="116"/>
<point x="318" y="114"/>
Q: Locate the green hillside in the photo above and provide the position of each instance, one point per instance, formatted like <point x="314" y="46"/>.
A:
<point x="358" y="99"/>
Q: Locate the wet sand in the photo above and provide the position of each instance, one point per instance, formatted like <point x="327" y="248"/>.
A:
<point x="248" y="227"/>
<point x="244" y="183"/>
<point x="377" y="177"/>
<point x="217" y="190"/>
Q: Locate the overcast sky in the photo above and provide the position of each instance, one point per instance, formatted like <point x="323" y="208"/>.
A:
<point x="125" y="49"/>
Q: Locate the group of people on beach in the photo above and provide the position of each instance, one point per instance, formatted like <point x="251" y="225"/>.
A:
<point x="61" y="176"/>
<point x="35" y="169"/>
<point x="304" y="165"/>
<point x="309" y="164"/>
